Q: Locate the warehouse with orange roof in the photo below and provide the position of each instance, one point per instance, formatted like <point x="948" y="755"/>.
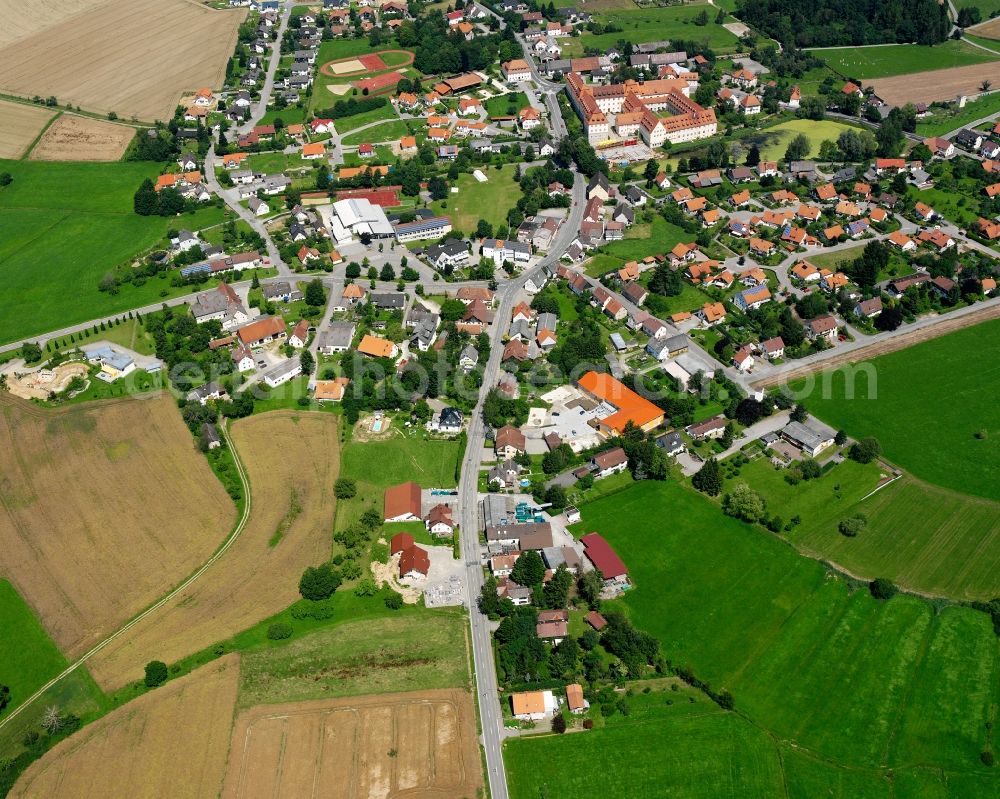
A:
<point x="627" y="405"/>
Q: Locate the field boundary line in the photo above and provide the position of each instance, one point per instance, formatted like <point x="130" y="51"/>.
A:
<point x="237" y="530"/>
<point x="34" y="142"/>
<point x="880" y="487"/>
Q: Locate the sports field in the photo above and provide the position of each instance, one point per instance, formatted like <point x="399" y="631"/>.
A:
<point x="474" y="201"/>
<point x="63" y="226"/>
<point x="925" y="404"/>
<point x="774" y="141"/>
<point x="884" y="61"/>
<point x="650" y="24"/>
<point x="831" y="671"/>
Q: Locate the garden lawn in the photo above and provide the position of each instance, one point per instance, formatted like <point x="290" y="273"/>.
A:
<point x="474" y="201"/>
<point x="945" y="384"/>
<point x="641" y="240"/>
<point x="500" y="105"/>
<point x="645" y="25"/>
<point x="63" y="226"/>
<point x="387" y="131"/>
<point x="774" y="141"/>
<point x="809" y="660"/>
<point x="684" y="749"/>
<point x="347" y="124"/>
<point x="901" y="59"/>
<point x="272" y="163"/>
<point x="28" y="657"/>
<point x="954" y="206"/>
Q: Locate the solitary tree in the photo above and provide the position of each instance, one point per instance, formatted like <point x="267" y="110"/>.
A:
<point x="315" y="295"/>
<point x="52" y="720"/>
<point x="318" y="582"/>
<point x="156" y="673"/>
<point x="708" y="479"/>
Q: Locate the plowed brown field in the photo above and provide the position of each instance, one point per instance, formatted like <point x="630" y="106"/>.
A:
<point x="133" y="57"/>
<point x="170" y="742"/>
<point x="20" y="124"/>
<point x="73" y="138"/>
<point x="939" y="84"/>
<point x="103" y="508"/>
<point x="420" y="744"/>
<point x="292" y="460"/>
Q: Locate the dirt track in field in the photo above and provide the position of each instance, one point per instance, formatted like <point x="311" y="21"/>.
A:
<point x="292" y="460"/>
<point x="103" y="508"/>
<point x="881" y="348"/>
<point x="171" y="742"/>
<point x="420" y="744"/>
<point x="938" y="84"/>
<point x="73" y="138"/>
<point x="133" y="57"/>
<point x="20" y="124"/>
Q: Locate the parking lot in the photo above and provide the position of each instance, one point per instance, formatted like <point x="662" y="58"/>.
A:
<point x="568" y="417"/>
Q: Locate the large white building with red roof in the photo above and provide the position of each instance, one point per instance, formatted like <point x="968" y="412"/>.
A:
<point x="624" y="110"/>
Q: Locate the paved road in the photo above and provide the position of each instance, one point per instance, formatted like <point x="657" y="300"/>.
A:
<point x="257" y="111"/>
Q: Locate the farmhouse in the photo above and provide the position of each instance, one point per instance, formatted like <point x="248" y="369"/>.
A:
<point x="262" y="331"/>
<point x="283" y="372"/>
<point x="401" y="503"/>
<point x="533" y="705"/>
<point x="811" y="437"/>
<point x="599" y="552"/>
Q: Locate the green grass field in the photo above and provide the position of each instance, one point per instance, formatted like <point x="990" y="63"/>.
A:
<point x="387" y="131"/>
<point x="474" y="201"/>
<point x="414" y="651"/>
<point x="644" y="25"/>
<point x="62" y="227"/>
<point x="656" y="238"/>
<point x="943" y="122"/>
<point x="28" y="657"/>
<point x="347" y="124"/>
<point x="501" y="104"/>
<point x="932" y="399"/>
<point x="829" y="670"/>
<point x="376" y="465"/>
<point x="901" y="59"/>
<point x="774" y="141"/>
<point x="684" y="749"/>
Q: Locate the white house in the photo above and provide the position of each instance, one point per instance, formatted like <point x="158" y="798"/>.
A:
<point x="283" y="372"/>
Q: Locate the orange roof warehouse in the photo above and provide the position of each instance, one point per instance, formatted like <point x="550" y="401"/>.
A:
<point x="629" y="406"/>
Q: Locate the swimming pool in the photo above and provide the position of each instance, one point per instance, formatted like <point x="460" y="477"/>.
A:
<point x="377" y="426"/>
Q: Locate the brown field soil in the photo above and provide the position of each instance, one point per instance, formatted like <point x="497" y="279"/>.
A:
<point x="24" y="19"/>
<point x="292" y="460"/>
<point x="133" y="57"/>
<point x="19" y="126"/>
<point x="988" y="30"/>
<point x="939" y="84"/>
<point x="945" y="326"/>
<point x="103" y="508"/>
<point x="73" y="138"/>
<point x="171" y="742"/>
<point x="420" y="744"/>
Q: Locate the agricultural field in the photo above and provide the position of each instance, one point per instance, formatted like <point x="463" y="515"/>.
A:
<point x="121" y="55"/>
<point x="774" y="141"/>
<point x="917" y="383"/>
<point x="130" y="459"/>
<point x="63" y="226"/>
<point x="688" y="748"/>
<point x="292" y="461"/>
<point x="75" y="138"/>
<point x="811" y="661"/>
<point x="28" y="657"/>
<point x="412" y="652"/>
<point x="935" y="85"/>
<point x="124" y="753"/>
<point x="950" y="548"/>
<point x="886" y="61"/>
<point x="651" y="24"/>
<point x="386" y="745"/>
<point x="474" y="201"/>
<point x="21" y="126"/>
